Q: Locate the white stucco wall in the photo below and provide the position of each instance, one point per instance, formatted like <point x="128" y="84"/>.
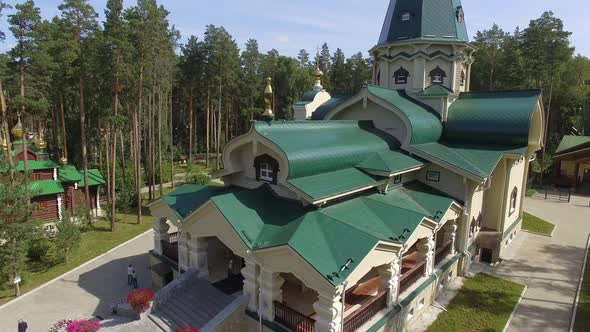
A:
<point x="492" y="198"/>
<point x="516" y="174"/>
<point x="382" y="118"/>
<point x="450" y="183"/>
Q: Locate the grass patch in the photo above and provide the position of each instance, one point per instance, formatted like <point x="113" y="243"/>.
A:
<point x="483" y="304"/>
<point x="583" y="311"/>
<point x="531" y="192"/>
<point x="537" y="225"/>
<point x="94" y="242"/>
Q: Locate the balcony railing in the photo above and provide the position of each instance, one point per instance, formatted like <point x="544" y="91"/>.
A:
<point x="411" y="276"/>
<point x="293" y="319"/>
<point x="363" y="314"/>
<point x="442" y="252"/>
<point x="170" y="247"/>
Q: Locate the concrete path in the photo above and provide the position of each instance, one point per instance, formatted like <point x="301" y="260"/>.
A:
<point x="549" y="266"/>
<point x="83" y="293"/>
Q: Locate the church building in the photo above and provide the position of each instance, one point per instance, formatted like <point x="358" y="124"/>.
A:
<point x="356" y="216"/>
<point x="55" y="188"/>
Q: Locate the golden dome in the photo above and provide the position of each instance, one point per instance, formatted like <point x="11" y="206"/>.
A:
<point x="17" y="130"/>
<point x="268" y="99"/>
<point x="63" y="161"/>
<point x="40" y="143"/>
<point x="318" y="73"/>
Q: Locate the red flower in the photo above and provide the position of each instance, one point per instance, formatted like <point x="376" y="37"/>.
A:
<point x="187" y="329"/>
<point x="140" y="300"/>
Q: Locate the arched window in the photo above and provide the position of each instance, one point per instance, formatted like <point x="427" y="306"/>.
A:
<point x="267" y="169"/>
<point x="462" y="78"/>
<point x="401" y="76"/>
<point x="513" y="198"/>
<point x="437" y="75"/>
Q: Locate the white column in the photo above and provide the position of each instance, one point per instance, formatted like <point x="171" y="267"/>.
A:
<point x="426" y="254"/>
<point x="198" y="256"/>
<point x="270" y="291"/>
<point x="183" y="250"/>
<point x="161" y="228"/>
<point x="329" y="311"/>
<point x="451" y="234"/>
<point x="59" y="207"/>
<point x="390" y="278"/>
<point x="251" y="273"/>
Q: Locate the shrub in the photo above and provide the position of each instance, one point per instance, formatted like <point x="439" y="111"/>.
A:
<point x="140" y="300"/>
<point x="198" y="178"/>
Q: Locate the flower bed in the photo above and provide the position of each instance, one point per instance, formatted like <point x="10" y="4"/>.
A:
<point x="187" y="329"/>
<point x="69" y="325"/>
<point x="140" y="300"/>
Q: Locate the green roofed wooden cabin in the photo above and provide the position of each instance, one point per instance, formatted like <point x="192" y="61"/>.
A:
<point x="55" y="188"/>
<point x="381" y="197"/>
<point x="571" y="163"/>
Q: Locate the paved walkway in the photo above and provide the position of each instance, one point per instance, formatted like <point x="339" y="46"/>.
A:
<point x="549" y="266"/>
<point x="83" y="293"/>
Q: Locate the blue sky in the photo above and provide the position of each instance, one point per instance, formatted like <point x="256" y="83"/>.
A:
<point x="352" y="25"/>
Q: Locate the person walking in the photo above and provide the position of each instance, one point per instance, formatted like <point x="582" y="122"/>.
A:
<point x="22" y="326"/>
<point x="130" y="275"/>
<point x="134" y="277"/>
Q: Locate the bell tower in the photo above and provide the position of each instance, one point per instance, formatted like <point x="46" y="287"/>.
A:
<point x="424" y="49"/>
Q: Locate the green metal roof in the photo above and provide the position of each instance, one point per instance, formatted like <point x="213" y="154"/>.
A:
<point x="314" y="147"/>
<point x="435" y="91"/>
<point x="45" y="187"/>
<point x="426" y="126"/>
<point x="322" y="237"/>
<point x="329" y="105"/>
<point x="500" y="117"/>
<point x="389" y="162"/>
<point x="95" y="178"/>
<point x="434" y="20"/>
<point x="479" y="160"/>
<point x="572" y="143"/>
<point x="327" y="184"/>
<point x="34" y="165"/>
<point x="69" y="173"/>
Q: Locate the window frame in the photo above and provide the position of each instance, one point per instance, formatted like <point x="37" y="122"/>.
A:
<point x="433" y="176"/>
<point x="439" y="74"/>
<point x="271" y="169"/>
<point x="398" y="179"/>
<point x="406" y="16"/>
<point x="401" y="75"/>
<point x="513" y="201"/>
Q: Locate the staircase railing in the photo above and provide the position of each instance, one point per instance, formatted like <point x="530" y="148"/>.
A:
<point x="293" y="319"/>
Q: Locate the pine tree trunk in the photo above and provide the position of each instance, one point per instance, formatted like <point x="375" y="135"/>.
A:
<point x="218" y="140"/>
<point x="138" y="144"/>
<point x="160" y="140"/>
<point x="84" y="151"/>
<point x="5" y="129"/>
<point x="190" y="130"/>
<point x="63" y="126"/>
<point x="171" y="136"/>
<point x="107" y="142"/>
<point x="114" y="172"/>
<point x="208" y="128"/>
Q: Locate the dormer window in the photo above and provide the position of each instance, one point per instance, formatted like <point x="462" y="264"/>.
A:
<point x="267" y="169"/>
<point x="406" y="17"/>
<point x="437" y="76"/>
<point x="401" y="76"/>
<point x="266" y="172"/>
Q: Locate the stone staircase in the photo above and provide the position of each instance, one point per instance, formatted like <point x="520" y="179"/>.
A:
<point x="191" y="302"/>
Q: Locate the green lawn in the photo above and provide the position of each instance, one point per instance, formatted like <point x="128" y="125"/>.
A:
<point x="483" y="304"/>
<point x="531" y="192"/>
<point x="94" y="243"/>
<point x="583" y="312"/>
<point x="537" y="225"/>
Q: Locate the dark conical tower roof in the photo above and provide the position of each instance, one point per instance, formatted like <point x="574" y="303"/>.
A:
<point x="430" y="20"/>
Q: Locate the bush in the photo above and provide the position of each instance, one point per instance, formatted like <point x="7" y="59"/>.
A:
<point x="198" y="178"/>
<point x="126" y="198"/>
<point x="140" y="300"/>
<point x="38" y="250"/>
